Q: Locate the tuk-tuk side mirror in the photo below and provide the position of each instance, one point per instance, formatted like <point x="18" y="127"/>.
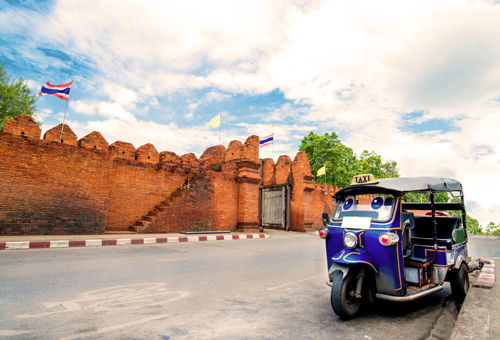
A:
<point x="325" y="218"/>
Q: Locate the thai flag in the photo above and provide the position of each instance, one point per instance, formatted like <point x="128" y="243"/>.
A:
<point x="266" y="140"/>
<point x="60" y="91"/>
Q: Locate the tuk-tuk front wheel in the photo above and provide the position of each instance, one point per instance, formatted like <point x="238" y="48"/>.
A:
<point x="343" y="297"/>
<point x="459" y="283"/>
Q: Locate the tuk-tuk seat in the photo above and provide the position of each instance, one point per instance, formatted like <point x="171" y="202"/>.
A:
<point x="419" y="265"/>
<point x="422" y="232"/>
<point x="416" y="259"/>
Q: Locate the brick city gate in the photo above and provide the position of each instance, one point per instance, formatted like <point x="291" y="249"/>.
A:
<point x="274" y="208"/>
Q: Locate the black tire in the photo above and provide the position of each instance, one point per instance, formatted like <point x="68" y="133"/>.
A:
<point x="344" y="303"/>
<point x="459" y="283"/>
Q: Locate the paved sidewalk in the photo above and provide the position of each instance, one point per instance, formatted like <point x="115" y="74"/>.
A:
<point x="479" y="318"/>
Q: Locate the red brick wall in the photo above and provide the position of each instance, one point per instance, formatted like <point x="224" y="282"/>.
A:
<point x="322" y="201"/>
<point x="51" y="188"/>
<point x="86" y="187"/>
<point x="136" y="188"/>
<point x="194" y="209"/>
<point x="225" y="186"/>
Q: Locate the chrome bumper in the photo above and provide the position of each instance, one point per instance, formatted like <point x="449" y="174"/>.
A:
<point x="409" y="297"/>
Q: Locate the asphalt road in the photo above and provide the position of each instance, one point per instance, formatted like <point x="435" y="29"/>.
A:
<point x="249" y="289"/>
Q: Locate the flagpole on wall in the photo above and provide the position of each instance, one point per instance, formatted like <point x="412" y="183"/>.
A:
<point x="273" y="146"/>
<point x="220" y="126"/>
<point x="65" y="112"/>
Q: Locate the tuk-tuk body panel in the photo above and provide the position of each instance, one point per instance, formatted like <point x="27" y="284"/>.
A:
<point x="387" y="261"/>
<point x="353" y="257"/>
<point x="458" y="251"/>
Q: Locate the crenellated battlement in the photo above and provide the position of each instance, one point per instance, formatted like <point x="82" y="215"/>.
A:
<point x="94" y="141"/>
<point x="61" y="134"/>
<point x="25" y="126"/>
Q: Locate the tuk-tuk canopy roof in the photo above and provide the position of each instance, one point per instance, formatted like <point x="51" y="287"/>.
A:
<point x="405" y="184"/>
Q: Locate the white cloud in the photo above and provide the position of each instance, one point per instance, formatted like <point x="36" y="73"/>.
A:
<point x="116" y="111"/>
<point x="84" y="107"/>
<point x="193" y="106"/>
<point x="215" y="96"/>
<point x="359" y="66"/>
<point x="121" y="95"/>
<point x="43" y="114"/>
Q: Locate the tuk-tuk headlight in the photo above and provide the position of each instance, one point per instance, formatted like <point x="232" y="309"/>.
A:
<point x="388" y="239"/>
<point x="350" y="240"/>
<point x="323" y="232"/>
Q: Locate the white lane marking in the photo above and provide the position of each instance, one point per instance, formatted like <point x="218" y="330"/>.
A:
<point x="115" y="327"/>
<point x="117" y="299"/>
<point x="93" y="243"/>
<point x="59" y="244"/>
<point x="123" y="241"/>
<point x="148" y="240"/>
<point x="12" y="332"/>
<point x="294" y="282"/>
<point x="17" y="245"/>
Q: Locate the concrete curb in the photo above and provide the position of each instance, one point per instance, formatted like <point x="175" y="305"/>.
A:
<point x="473" y="321"/>
<point x="13" y="245"/>
<point x="486" y="278"/>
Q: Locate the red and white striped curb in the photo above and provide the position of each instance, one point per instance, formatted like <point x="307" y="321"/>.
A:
<point x="486" y="278"/>
<point x="123" y="241"/>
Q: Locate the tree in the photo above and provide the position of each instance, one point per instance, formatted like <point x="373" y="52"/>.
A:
<point x="473" y="225"/>
<point x="340" y="161"/>
<point x="439" y="197"/>
<point x="371" y="163"/>
<point x="493" y="229"/>
<point x="16" y="98"/>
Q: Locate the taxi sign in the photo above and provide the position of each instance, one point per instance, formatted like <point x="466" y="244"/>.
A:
<point x="364" y="179"/>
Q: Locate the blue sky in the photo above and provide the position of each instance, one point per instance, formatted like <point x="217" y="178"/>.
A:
<point x="415" y="81"/>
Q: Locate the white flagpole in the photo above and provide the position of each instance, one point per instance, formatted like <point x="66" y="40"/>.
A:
<point x="273" y="146"/>
<point x="220" y="126"/>
<point x="65" y="111"/>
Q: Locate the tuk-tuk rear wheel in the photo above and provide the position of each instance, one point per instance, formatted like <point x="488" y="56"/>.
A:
<point x="459" y="283"/>
<point x="343" y="297"/>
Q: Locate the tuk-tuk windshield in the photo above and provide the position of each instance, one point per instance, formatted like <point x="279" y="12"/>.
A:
<point x="379" y="207"/>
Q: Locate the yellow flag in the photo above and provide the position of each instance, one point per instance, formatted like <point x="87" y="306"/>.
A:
<point x="321" y="171"/>
<point x="214" y="122"/>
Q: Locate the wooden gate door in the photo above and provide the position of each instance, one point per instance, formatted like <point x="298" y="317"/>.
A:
<point x="275" y="206"/>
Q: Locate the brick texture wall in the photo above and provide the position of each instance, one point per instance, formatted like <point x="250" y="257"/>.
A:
<point x="136" y="188"/>
<point x="88" y="186"/>
<point x="51" y="188"/>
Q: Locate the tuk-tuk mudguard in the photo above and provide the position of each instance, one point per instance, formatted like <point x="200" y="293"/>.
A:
<point x="345" y="259"/>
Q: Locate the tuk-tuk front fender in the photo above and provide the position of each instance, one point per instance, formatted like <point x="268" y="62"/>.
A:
<point x="461" y="259"/>
<point x="345" y="260"/>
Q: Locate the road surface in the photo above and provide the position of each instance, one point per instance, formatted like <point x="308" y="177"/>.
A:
<point x="248" y="289"/>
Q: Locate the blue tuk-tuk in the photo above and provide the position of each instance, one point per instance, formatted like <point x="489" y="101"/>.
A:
<point x="380" y="246"/>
